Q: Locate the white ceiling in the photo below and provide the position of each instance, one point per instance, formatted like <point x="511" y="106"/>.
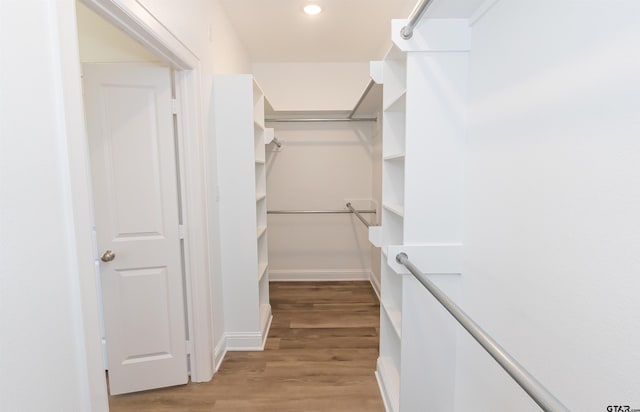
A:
<point x="346" y="30"/>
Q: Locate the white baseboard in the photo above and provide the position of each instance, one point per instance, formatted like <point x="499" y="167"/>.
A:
<point x="383" y="393"/>
<point x="266" y="325"/>
<point x="384" y="382"/>
<point x="375" y="283"/>
<point x="307" y="275"/>
<point x="244" y="341"/>
<point x="219" y="352"/>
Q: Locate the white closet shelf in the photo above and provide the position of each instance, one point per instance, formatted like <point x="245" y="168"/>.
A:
<point x="395" y="209"/>
<point x="395" y="156"/>
<point x="262" y="269"/>
<point x="269" y="135"/>
<point x="395" y="316"/>
<point x="261" y="231"/>
<point x="260" y="196"/>
<point x="260" y="161"/>
<point x="397" y="103"/>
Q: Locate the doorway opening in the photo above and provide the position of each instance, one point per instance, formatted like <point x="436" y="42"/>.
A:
<point x="111" y="45"/>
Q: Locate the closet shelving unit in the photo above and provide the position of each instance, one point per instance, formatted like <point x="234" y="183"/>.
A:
<point x="424" y="87"/>
<point x="261" y="137"/>
<point x="241" y="135"/>
<point x="393" y="198"/>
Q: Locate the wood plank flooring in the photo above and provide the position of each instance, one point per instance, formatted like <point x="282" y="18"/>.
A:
<point x="320" y="356"/>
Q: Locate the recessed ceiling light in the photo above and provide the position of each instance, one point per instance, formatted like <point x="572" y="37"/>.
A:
<point x="312" y="9"/>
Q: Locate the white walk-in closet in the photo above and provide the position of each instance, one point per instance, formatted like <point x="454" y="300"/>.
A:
<point x="469" y="168"/>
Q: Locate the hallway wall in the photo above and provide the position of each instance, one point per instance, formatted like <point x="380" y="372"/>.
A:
<point x="552" y="200"/>
<point x="41" y="332"/>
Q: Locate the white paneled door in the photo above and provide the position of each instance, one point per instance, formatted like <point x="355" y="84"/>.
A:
<point x="133" y="164"/>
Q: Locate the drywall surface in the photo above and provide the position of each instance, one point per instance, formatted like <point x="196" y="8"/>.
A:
<point x="552" y="198"/>
<point x="320" y="167"/>
<point x="312" y="86"/>
<point x="42" y="341"/>
<point x="101" y="42"/>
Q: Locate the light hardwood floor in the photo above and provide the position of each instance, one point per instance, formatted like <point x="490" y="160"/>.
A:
<point x="320" y="356"/>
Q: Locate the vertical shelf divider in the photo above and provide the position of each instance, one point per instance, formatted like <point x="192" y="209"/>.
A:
<point x="239" y="106"/>
<point x="422" y="186"/>
<point x="389" y="370"/>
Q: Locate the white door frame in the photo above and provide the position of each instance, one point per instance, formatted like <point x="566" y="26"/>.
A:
<point x="142" y="26"/>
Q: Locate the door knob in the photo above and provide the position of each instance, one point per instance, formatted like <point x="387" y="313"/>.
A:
<point x="107" y="256"/>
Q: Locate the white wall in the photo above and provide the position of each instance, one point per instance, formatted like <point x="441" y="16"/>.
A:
<point x="319" y="167"/>
<point x="100" y="41"/>
<point x="312" y="86"/>
<point x="41" y="333"/>
<point x="552" y="200"/>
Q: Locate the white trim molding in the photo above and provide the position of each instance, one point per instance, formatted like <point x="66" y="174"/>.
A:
<point x="71" y="102"/>
<point x="390" y="404"/>
<point x="219" y="352"/>
<point x="375" y="284"/>
<point x="245" y="341"/>
<point x="195" y="218"/>
<point x="139" y="23"/>
<point x="266" y="325"/>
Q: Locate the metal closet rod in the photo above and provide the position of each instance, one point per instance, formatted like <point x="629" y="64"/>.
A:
<point x="540" y="395"/>
<point x="317" y="212"/>
<point x="364" y="94"/>
<point x="319" y="120"/>
<point x="358" y="215"/>
<point x="414" y="18"/>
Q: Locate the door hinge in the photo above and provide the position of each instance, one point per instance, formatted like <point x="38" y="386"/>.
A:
<point x="182" y="230"/>
<point x="189" y="347"/>
<point x="174" y="106"/>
